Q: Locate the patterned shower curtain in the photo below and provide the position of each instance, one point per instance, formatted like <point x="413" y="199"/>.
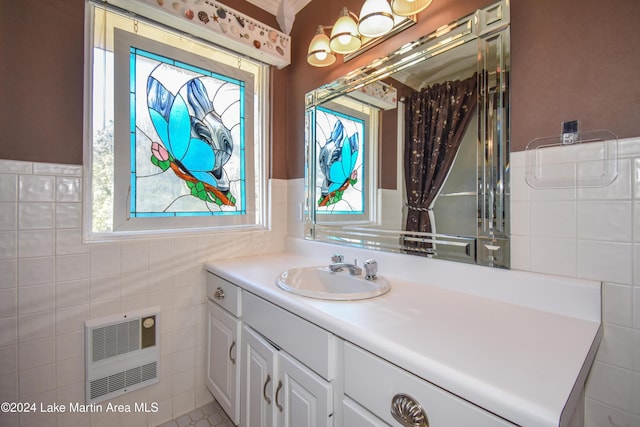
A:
<point x="436" y="120"/>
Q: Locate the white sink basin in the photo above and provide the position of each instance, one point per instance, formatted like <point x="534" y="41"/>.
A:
<point x="322" y="283"/>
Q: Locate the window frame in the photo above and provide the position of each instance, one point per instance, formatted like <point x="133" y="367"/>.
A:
<point x="256" y="172"/>
<point x="369" y="115"/>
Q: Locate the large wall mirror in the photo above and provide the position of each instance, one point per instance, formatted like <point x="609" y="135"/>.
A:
<point x="440" y="107"/>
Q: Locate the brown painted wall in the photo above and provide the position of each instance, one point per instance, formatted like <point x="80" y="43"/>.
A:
<point x="574" y="59"/>
<point x="41" y="80"/>
<point x="41" y="77"/>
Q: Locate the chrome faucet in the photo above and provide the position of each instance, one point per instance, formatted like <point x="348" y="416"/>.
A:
<point x="371" y="269"/>
<point x="337" y="264"/>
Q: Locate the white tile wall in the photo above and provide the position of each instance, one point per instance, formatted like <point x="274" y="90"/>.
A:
<point x="592" y="233"/>
<point x="51" y="282"/>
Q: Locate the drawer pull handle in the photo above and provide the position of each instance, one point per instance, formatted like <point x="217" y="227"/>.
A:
<point x="233" y="361"/>
<point x="219" y="293"/>
<point x="264" y="390"/>
<point x="277" y="392"/>
<point x="408" y="412"/>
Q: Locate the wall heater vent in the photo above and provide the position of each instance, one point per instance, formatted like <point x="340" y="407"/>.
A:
<point x="122" y="353"/>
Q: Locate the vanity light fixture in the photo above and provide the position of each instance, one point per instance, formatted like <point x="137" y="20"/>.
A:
<point x="319" y="53"/>
<point x="350" y="33"/>
<point x="345" y="37"/>
<point x="375" y="18"/>
<point x="409" y="7"/>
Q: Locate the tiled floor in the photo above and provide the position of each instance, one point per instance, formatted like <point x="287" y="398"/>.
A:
<point x="210" y="415"/>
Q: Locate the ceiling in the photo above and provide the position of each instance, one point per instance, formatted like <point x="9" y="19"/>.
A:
<point x="271" y="6"/>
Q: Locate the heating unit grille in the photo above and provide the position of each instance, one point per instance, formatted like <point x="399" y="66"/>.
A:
<point x="122" y="353"/>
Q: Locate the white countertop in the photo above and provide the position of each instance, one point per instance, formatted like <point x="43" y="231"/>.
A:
<point x="524" y="364"/>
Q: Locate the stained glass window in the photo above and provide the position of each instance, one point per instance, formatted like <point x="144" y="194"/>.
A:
<point x="340" y="149"/>
<point x="187" y="139"/>
<point x="178" y="131"/>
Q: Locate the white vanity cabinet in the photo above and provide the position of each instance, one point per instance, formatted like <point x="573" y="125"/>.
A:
<point x="223" y="344"/>
<point x="268" y="367"/>
<point x="278" y="389"/>
<point x="471" y="353"/>
<point x="384" y="390"/>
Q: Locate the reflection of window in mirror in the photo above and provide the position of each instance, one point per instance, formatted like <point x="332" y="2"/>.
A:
<point x="345" y="130"/>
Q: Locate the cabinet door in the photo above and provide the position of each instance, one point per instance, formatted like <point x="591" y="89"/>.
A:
<point x="302" y="397"/>
<point x="259" y="376"/>
<point x="223" y="372"/>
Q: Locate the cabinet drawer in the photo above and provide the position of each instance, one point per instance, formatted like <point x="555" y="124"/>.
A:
<point x="355" y="415"/>
<point x="310" y="344"/>
<point x="373" y="383"/>
<point x="225" y="294"/>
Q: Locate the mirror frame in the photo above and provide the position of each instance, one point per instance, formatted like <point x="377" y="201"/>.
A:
<point x="489" y="27"/>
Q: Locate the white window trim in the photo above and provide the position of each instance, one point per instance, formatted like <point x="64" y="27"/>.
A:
<point x="370" y="115"/>
<point x="261" y="134"/>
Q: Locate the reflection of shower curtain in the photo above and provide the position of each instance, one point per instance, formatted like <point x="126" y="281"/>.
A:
<point x="436" y="121"/>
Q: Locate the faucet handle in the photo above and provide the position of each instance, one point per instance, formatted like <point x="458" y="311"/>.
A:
<point x="371" y="269"/>
<point x="337" y="258"/>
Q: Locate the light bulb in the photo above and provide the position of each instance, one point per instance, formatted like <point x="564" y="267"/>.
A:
<point x="321" y="56"/>
<point x="344" y="39"/>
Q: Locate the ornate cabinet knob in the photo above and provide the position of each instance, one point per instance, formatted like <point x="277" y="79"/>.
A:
<point x="408" y="412"/>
